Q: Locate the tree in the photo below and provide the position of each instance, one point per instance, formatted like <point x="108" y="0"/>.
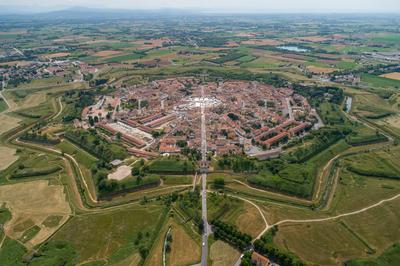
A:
<point x="91" y="121"/>
<point x="144" y="251"/>
<point x="135" y="171"/>
<point x="219" y="183"/>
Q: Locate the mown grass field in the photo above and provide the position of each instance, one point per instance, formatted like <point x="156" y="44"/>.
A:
<point x="222" y="254"/>
<point x="170" y="165"/>
<point x="184" y="249"/>
<point x="236" y="212"/>
<point x="327" y="243"/>
<point x="111" y="234"/>
<point x="389" y="257"/>
<point x="178" y="180"/>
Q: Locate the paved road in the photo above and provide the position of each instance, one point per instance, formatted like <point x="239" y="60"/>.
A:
<point x="206" y="231"/>
<point x="289" y="106"/>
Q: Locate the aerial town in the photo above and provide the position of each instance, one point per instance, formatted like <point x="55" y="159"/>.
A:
<point x="164" y="116"/>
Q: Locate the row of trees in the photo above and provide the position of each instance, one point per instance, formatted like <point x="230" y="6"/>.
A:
<point x="76" y="101"/>
<point x="237" y="163"/>
<point x="231" y="234"/>
<point x="321" y="140"/>
<point x="190" y="204"/>
<point x="94" y="144"/>
<point x="35" y="137"/>
<point x="266" y="247"/>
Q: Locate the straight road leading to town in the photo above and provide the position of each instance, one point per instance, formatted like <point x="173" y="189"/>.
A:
<point x="206" y="230"/>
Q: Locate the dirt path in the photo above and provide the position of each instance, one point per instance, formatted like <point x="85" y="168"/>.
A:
<point x="69" y="157"/>
<point x="261" y="213"/>
<point x="340" y="215"/>
<point x="61" y="108"/>
<point x="321" y="179"/>
<point x="2" y="241"/>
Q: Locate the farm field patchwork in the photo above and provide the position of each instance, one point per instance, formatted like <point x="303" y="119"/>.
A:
<point x="31" y="203"/>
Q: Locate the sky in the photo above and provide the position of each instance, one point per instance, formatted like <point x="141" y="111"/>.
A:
<point x="372" y="6"/>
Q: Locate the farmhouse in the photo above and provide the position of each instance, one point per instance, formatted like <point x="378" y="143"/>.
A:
<point x="259" y="260"/>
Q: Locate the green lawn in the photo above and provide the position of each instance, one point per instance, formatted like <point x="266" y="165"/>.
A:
<point x="170" y="165"/>
<point x="178" y="180"/>
<point x="79" y="154"/>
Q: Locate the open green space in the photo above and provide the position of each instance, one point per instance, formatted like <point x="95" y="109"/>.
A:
<point x="112" y="234"/>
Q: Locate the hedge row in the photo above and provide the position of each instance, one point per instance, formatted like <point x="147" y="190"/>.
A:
<point x="28" y="172"/>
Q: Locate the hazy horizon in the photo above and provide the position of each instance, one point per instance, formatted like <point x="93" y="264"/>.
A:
<point x="250" y="6"/>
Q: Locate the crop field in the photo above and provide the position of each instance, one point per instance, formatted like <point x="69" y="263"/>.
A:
<point x="380" y="81"/>
<point x="106" y="53"/>
<point x="393" y="75"/>
<point x="31" y="203"/>
<point x="111" y="233"/>
<point x="8" y="122"/>
<point x="320" y="70"/>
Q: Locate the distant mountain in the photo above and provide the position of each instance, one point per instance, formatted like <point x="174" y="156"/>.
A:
<point x="90" y="13"/>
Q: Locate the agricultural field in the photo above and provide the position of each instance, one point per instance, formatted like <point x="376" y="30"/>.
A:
<point x="38" y="209"/>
